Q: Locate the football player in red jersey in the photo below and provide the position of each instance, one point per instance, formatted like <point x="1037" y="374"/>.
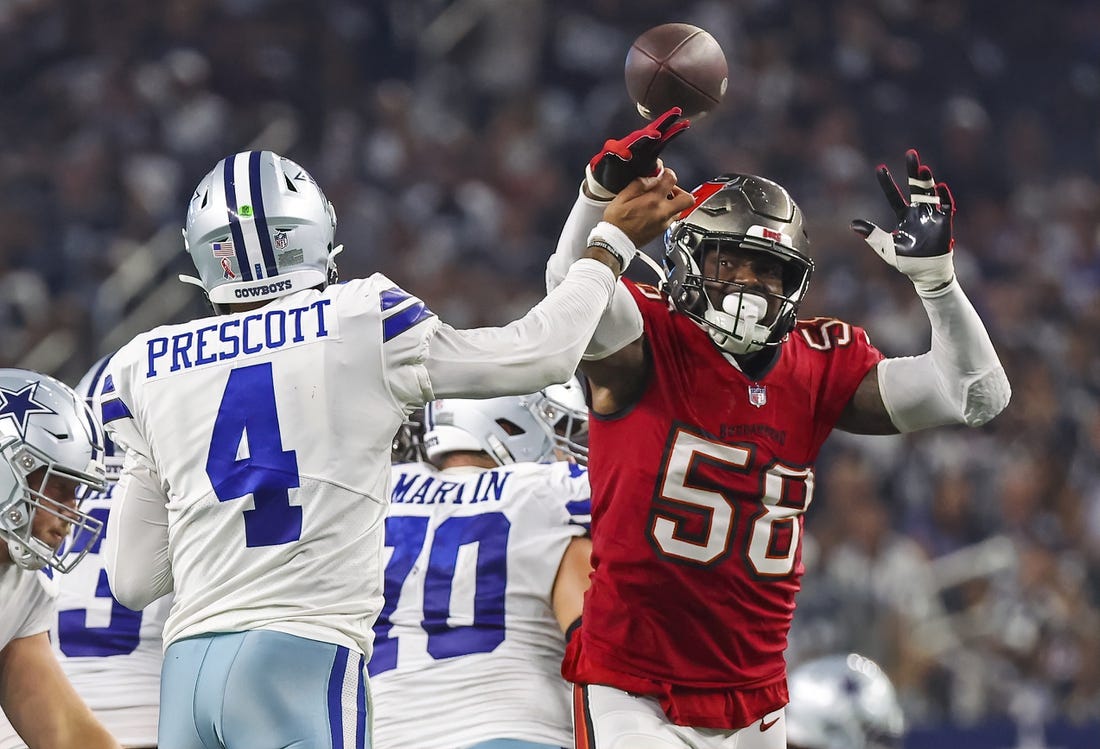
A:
<point x="710" y="401"/>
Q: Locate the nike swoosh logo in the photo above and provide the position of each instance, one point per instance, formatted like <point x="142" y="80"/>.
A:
<point x="765" y="725"/>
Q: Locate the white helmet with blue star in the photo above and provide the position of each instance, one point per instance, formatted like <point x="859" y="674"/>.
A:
<point x="51" y="447"/>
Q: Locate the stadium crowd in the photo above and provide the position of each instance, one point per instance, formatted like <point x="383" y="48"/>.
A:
<point x="447" y="135"/>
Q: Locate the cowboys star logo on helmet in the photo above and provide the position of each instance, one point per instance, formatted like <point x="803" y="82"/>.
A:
<point x="18" y="405"/>
<point x="49" y="438"/>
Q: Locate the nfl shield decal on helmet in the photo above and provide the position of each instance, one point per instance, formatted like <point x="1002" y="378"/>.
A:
<point x="758" y="395"/>
<point x="279" y="240"/>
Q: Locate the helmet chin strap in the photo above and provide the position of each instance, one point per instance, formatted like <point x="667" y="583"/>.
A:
<point x="739" y="333"/>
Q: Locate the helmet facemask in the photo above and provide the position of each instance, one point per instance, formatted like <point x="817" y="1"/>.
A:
<point x="741" y="215"/>
<point x="563" y="413"/>
<point x="49" y="440"/>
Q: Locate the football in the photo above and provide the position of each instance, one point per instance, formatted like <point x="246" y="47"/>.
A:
<point x="676" y="65"/>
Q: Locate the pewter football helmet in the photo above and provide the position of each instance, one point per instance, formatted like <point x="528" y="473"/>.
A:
<point x="748" y="213"/>
<point x="45" y="424"/>
<point x="258" y="228"/>
<point x="562" y="411"/>
<point x="843" y="702"/>
<point x="505" y="428"/>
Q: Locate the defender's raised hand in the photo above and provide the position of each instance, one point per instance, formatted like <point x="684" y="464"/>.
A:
<point x="638" y="215"/>
<point x="624" y="160"/>
<point x="920" y="246"/>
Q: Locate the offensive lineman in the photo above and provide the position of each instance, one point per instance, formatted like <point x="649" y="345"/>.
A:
<point x="49" y="454"/>
<point x="487" y="567"/>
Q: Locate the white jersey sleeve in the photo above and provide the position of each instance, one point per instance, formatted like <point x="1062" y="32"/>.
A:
<point x="270" y="432"/>
<point x="541" y="348"/>
<point x="468" y="625"/>
<point x="28" y="602"/>
<point x="622" y="322"/>
<point x="28" y="608"/>
<point x="111" y="654"/>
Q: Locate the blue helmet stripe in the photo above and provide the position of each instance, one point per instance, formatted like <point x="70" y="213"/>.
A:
<point x="93" y="386"/>
<point x="108" y="443"/>
<point x="260" y="215"/>
<point x="235" y="221"/>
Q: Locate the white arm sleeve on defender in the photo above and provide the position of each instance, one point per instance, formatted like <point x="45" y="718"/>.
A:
<point x="541" y="348"/>
<point x="960" y="380"/>
<point x="622" y="322"/>
<point x="135" y="546"/>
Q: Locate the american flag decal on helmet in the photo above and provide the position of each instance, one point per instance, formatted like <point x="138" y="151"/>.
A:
<point x="222" y="249"/>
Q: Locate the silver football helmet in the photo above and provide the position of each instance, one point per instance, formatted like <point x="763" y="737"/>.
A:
<point x="505" y="428"/>
<point x="563" y="413"/>
<point x="44" y="424"/>
<point x="91" y="388"/>
<point x="747" y="213"/>
<point x="258" y="228"/>
<point x="843" y="702"/>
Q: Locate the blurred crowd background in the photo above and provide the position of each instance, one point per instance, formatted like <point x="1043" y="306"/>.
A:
<point x="451" y="136"/>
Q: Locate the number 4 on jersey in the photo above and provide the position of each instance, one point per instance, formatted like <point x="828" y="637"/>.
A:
<point x="247" y="457"/>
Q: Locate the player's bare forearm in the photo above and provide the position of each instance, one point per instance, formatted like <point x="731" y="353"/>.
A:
<point x="572" y="581"/>
<point x="646" y="207"/>
<point x="866" y="413"/>
<point x="617" y="381"/>
<point x="41" y="704"/>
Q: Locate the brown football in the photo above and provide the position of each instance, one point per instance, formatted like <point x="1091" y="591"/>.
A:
<point x="676" y="65"/>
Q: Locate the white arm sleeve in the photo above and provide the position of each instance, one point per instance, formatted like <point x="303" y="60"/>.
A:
<point x="135" y="547"/>
<point x="960" y="380"/>
<point x="541" y="348"/>
<point x="622" y="322"/>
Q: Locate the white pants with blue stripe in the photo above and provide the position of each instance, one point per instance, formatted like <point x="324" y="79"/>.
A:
<point x="262" y="689"/>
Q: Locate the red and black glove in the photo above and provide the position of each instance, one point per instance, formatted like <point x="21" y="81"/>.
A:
<point x="921" y="244"/>
<point x="624" y="160"/>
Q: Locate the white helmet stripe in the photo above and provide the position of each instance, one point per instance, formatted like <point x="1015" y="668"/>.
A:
<point x="228" y="167"/>
<point x="243" y="214"/>
<point x="259" y="214"/>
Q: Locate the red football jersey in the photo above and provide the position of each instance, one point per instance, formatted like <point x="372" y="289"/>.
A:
<point x="698" y="494"/>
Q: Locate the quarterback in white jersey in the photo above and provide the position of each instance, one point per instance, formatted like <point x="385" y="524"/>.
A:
<point x="258" y="441"/>
<point x="472" y="577"/>
<point x="49" y="455"/>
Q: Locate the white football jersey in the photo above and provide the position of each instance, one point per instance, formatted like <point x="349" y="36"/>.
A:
<point x="271" y="433"/>
<point x="26" y="608"/>
<point x="111" y="654"/>
<point x="28" y="602"/>
<point x="467" y="648"/>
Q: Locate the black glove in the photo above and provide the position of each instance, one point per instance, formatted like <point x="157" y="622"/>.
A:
<point x="921" y="244"/>
<point x="622" y="161"/>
